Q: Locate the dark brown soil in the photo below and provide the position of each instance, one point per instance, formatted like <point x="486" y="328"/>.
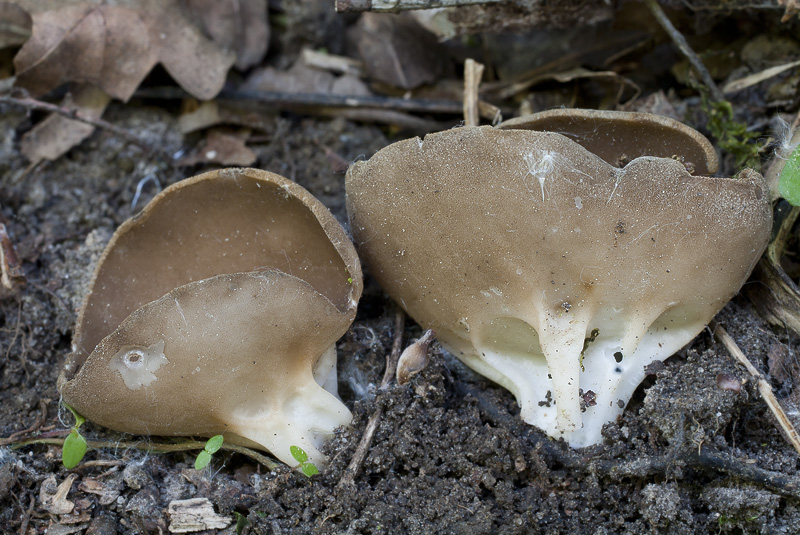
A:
<point x="450" y="455"/>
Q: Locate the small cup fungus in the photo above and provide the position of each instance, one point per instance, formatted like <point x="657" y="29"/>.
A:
<point x="621" y="136"/>
<point x="548" y="270"/>
<point x="216" y="310"/>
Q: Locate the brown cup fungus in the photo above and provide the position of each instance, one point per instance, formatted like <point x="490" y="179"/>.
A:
<point x="216" y="311"/>
<point x="548" y="270"/>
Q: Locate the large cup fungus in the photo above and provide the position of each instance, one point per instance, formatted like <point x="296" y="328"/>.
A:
<point x="216" y="310"/>
<point x="547" y="269"/>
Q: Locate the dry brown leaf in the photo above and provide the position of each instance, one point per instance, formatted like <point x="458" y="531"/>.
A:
<point x="55" y="135"/>
<point x="304" y="78"/>
<point x="224" y="148"/>
<point x="115" y="46"/>
<point x="397" y="50"/>
<point x="15" y="25"/>
<point x="106" y="46"/>
<point x="213" y="113"/>
<point x="239" y="25"/>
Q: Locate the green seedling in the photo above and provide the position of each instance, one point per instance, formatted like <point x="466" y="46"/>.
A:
<point x="789" y="181"/>
<point x="241" y="522"/>
<point x="74" y="447"/>
<point x="204" y="457"/>
<point x="732" y="136"/>
<point x="309" y="469"/>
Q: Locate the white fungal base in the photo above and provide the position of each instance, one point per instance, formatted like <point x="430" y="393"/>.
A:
<point x="559" y="391"/>
<point x="307" y="418"/>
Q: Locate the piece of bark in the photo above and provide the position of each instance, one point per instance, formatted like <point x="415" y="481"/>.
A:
<point x="196" y="514"/>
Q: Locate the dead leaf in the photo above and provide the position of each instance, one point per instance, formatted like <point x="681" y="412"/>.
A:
<point x="196" y="63"/>
<point x="300" y="78"/>
<point x="223" y="148"/>
<point x="107" y="491"/>
<point x="397" y="50"/>
<point x="213" y="113"/>
<point x="54" y="498"/>
<point x="115" y="46"/>
<point x="56" y="134"/>
<point x="239" y="25"/>
<point x="106" y="46"/>
<point x="304" y="78"/>
<point x="15" y="25"/>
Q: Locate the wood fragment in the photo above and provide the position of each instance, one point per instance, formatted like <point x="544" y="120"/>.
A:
<point x="333" y="63"/>
<point x="372" y="424"/>
<point x="680" y="41"/>
<point x="33" y="104"/>
<point x="55" y="500"/>
<point x="279" y="100"/>
<point x="764" y="387"/>
<point x="194" y="514"/>
<point x="473" y="72"/>
<point x="757" y="77"/>
<point x="395" y="6"/>
<point x="10" y="267"/>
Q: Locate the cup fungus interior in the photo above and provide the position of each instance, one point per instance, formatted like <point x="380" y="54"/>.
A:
<point x="548" y="270"/>
<point x="216" y="310"/>
<point x="620" y="137"/>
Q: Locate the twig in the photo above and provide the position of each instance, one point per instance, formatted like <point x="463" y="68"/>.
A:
<point x="33" y="104"/>
<point x="279" y="99"/>
<point x="640" y="467"/>
<point x="36" y="425"/>
<point x="394" y="6"/>
<point x="473" y="72"/>
<point x="680" y="41"/>
<point x="372" y="424"/>
<point x="27" y="516"/>
<point x="704" y="460"/>
<point x="764" y="387"/>
<point x="155" y="448"/>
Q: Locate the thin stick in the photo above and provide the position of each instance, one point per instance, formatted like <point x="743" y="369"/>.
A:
<point x="394" y="6"/>
<point x="153" y="447"/>
<point x="36" y="425"/>
<point x="640" y="467"/>
<point x="33" y="104"/>
<point x="764" y="387"/>
<point x="680" y="41"/>
<point x="473" y="72"/>
<point x="280" y="99"/>
<point x="372" y="424"/>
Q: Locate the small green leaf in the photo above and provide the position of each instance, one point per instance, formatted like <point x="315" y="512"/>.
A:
<point x="241" y="522"/>
<point x="203" y="458"/>
<point x="214" y="444"/>
<point x="298" y="453"/>
<point x="789" y="185"/>
<point x="73" y="450"/>
<point x="309" y="469"/>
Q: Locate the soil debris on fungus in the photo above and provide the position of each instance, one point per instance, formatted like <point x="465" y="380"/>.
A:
<point x="691" y="453"/>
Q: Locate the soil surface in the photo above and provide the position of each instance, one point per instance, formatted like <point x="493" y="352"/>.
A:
<point x="691" y="454"/>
